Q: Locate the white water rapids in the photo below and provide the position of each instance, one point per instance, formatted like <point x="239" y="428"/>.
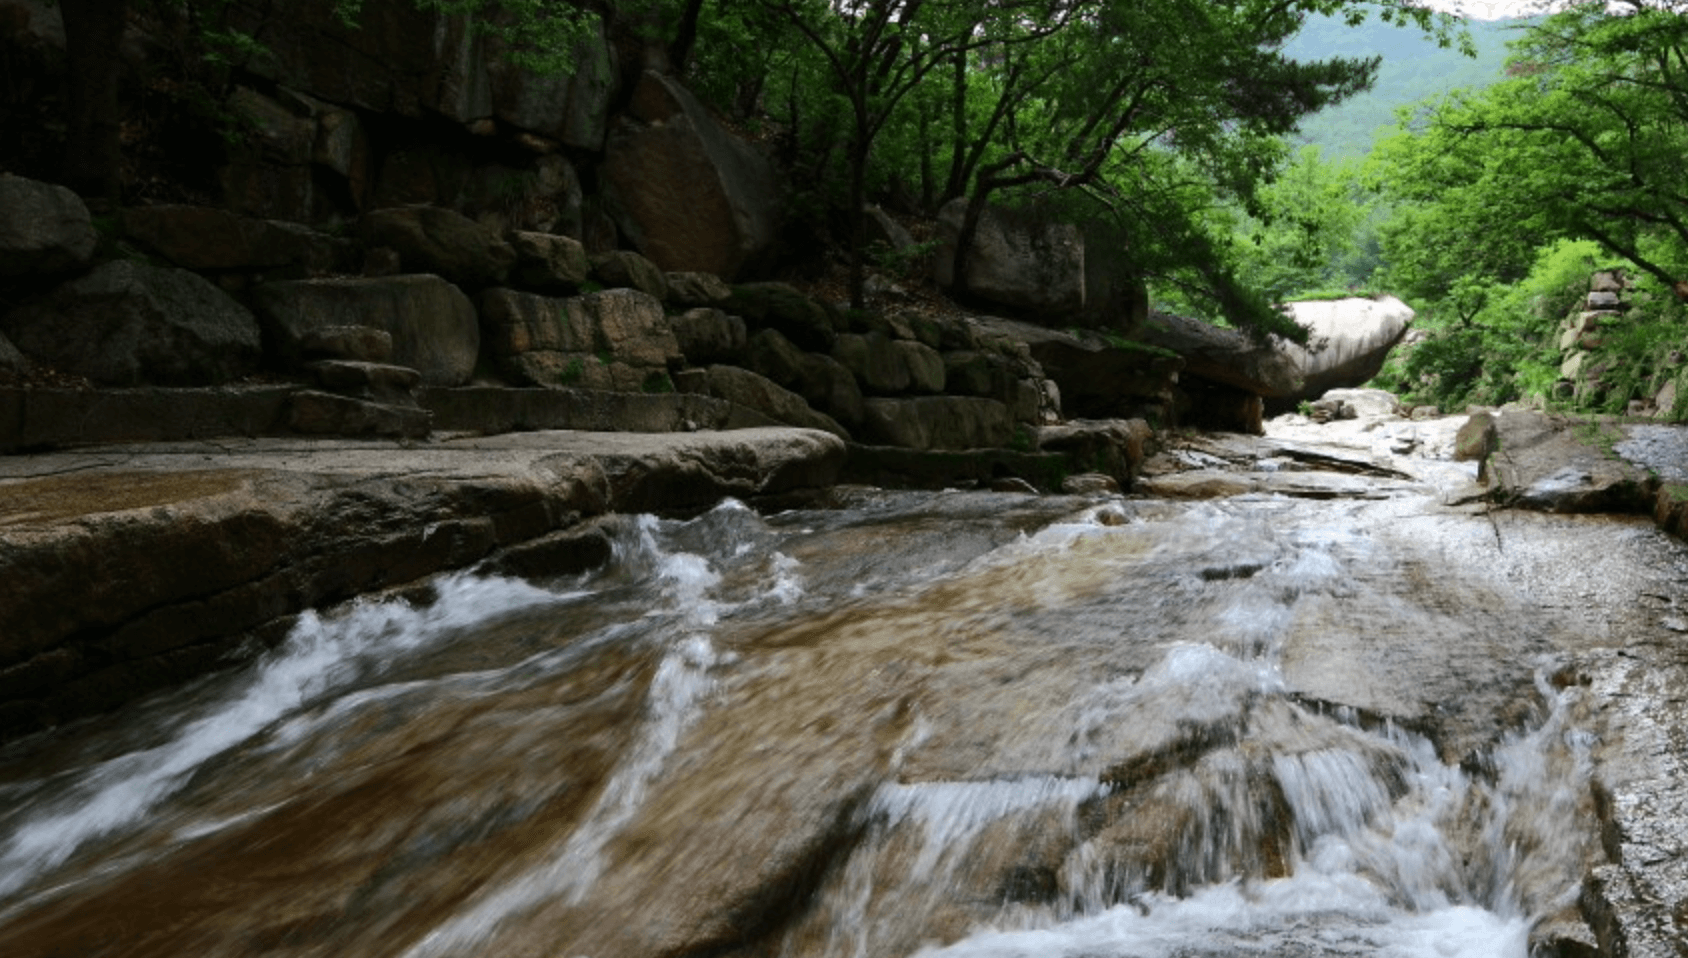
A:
<point x="956" y="724"/>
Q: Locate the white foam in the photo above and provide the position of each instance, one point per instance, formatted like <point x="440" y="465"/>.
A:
<point x="1335" y="913"/>
<point x="318" y="656"/>
<point x="681" y="683"/>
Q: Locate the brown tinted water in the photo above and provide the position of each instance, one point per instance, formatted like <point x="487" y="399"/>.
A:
<point x="964" y="723"/>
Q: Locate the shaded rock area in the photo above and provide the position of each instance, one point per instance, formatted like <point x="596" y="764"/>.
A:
<point x="187" y="557"/>
<point x="1016" y="260"/>
<point x="128" y="323"/>
<point x="433" y="325"/>
<point x="691" y="196"/>
<point x="46" y="231"/>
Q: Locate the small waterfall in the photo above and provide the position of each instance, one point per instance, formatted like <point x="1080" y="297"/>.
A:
<point x="319" y="659"/>
<point x="956" y="724"/>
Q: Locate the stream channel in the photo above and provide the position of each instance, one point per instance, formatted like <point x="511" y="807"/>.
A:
<point x="944" y="724"/>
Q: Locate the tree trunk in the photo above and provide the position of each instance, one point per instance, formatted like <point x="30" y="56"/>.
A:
<point x="685" y="37"/>
<point x="957" y="182"/>
<point x="858" y="225"/>
<point x="93" y="47"/>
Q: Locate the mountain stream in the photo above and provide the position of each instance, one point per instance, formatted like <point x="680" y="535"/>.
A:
<point x="958" y="724"/>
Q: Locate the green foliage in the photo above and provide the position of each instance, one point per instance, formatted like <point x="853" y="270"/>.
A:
<point x="657" y="382"/>
<point x="1494" y="343"/>
<point x="572" y="372"/>
<point x="1155" y="112"/>
<point x="909" y="261"/>
<point x="1504" y="201"/>
<point x="1306" y="227"/>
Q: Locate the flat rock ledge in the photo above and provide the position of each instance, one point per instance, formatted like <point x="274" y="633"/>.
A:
<point x="127" y="569"/>
<point x="1560" y="464"/>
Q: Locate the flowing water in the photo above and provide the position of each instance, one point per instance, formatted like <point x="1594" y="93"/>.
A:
<point x="958" y="724"/>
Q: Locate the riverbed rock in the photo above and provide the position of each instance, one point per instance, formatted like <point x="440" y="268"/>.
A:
<point x="312" y="412"/>
<point x="176" y="565"/>
<point x="432" y="323"/>
<point x="45" y="229"/>
<point x="430" y="239"/>
<point x="1477" y="440"/>
<point x="1114" y="448"/>
<point x="1348" y="341"/>
<point x="128" y="323"/>
<point x="1559" y="465"/>
<point x="1359" y="403"/>
<point x="690" y="194"/>
<point x="1017" y="260"/>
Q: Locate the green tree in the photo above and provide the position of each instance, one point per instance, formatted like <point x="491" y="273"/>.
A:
<point x="1585" y="139"/>
<point x="1205" y="82"/>
<point x="876" y="52"/>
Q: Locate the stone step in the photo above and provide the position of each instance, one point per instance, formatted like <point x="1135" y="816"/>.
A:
<point x="364" y="344"/>
<point x="377" y="381"/>
<point x="328" y="414"/>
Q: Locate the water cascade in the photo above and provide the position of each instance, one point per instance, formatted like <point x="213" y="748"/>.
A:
<point x="956" y="724"/>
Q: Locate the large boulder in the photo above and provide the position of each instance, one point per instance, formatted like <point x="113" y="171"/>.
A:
<point x="1017" y="260"/>
<point x="1099" y="376"/>
<point x="890" y="367"/>
<point x="572" y="108"/>
<point x="628" y="270"/>
<point x="1348" y="341"/>
<point x="421" y="63"/>
<point x="432" y="323"/>
<point x="1224" y="356"/>
<point x="938" y="422"/>
<point x="45" y="230"/>
<point x="127" y="324"/>
<point x="269" y="171"/>
<point x="204" y="238"/>
<point x="547" y="262"/>
<point x="760" y="393"/>
<point x="690" y="194"/>
<point x="617" y="339"/>
<point x="434" y="240"/>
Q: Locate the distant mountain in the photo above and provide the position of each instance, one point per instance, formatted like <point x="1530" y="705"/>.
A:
<point x="1414" y="67"/>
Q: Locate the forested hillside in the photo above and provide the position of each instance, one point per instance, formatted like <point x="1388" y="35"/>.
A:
<point x="1414" y="67"/>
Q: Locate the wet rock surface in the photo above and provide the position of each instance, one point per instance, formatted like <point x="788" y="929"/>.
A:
<point x="976" y="723"/>
<point x="180" y="552"/>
